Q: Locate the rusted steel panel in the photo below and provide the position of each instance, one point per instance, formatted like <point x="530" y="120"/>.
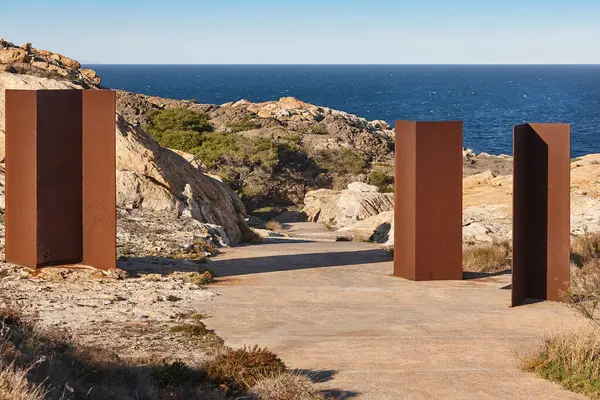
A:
<point x="20" y="207"/>
<point x="428" y="200"/>
<point x="59" y="182"/>
<point x="99" y="179"/>
<point x="60" y="178"/>
<point x="541" y="212"/>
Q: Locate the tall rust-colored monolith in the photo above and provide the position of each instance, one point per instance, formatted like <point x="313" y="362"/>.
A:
<point x="541" y="212"/>
<point x="428" y="200"/>
<point x="60" y="177"/>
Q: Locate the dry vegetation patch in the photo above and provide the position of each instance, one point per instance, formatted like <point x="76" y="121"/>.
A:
<point x="37" y="365"/>
<point x="489" y="258"/>
<point x="286" y="386"/>
<point x="572" y="360"/>
<point x="274" y="226"/>
<point x="241" y="369"/>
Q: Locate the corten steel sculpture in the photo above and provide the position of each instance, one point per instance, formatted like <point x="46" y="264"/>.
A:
<point x="428" y="200"/>
<point x="60" y="178"/>
<point x="541" y="211"/>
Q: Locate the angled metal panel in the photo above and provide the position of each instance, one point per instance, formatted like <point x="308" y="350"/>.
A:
<point x="541" y="212"/>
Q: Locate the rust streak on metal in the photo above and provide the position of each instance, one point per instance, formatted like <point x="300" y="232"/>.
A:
<point x="428" y="200"/>
<point x="541" y="212"/>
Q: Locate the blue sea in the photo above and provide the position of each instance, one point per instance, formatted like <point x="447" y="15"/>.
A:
<point x="489" y="99"/>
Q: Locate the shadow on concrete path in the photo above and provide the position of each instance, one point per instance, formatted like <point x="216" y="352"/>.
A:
<point x="320" y="376"/>
<point x="289" y="262"/>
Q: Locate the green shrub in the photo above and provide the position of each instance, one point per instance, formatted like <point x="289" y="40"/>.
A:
<point x="179" y="119"/>
<point x="180" y="140"/>
<point x="340" y="161"/>
<point x="232" y="149"/>
<point x="247" y="124"/>
<point x="241" y="369"/>
<point x="381" y="180"/>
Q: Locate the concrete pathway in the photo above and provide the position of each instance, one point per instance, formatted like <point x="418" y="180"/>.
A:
<point x="333" y="311"/>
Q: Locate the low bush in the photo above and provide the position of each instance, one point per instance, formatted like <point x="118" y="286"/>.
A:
<point x="493" y="257"/>
<point x="585" y="249"/>
<point x="247" y="124"/>
<point x="340" y="161"/>
<point x="286" y="386"/>
<point x="274" y="226"/>
<point x="241" y="369"/>
<point x="382" y="180"/>
<point x="178" y="119"/>
<point x="571" y="360"/>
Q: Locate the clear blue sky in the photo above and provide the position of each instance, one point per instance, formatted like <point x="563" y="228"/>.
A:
<point x="309" y="31"/>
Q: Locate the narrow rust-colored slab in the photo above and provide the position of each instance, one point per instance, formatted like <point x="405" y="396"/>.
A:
<point x="541" y="212"/>
<point x="20" y="207"/>
<point x="99" y="179"/>
<point x="59" y="177"/>
<point x="428" y="200"/>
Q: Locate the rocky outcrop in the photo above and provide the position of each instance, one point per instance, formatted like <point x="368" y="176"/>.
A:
<point x="43" y="63"/>
<point x="487" y="207"/>
<point x="152" y="178"/>
<point x="338" y="209"/>
<point x="319" y="128"/>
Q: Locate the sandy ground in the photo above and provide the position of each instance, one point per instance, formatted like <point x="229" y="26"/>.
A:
<point x="333" y="311"/>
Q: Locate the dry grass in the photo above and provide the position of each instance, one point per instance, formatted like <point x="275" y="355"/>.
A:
<point x="37" y="365"/>
<point x="274" y="226"/>
<point x="286" y="386"/>
<point x="14" y="384"/>
<point x="202" y="277"/>
<point x="241" y="369"/>
<point x="584" y="295"/>
<point x="585" y="249"/>
<point x="572" y="360"/>
<point x="493" y="257"/>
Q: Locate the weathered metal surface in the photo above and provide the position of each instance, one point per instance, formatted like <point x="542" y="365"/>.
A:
<point x="99" y="179"/>
<point x="60" y="161"/>
<point x="541" y="212"/>
<point x="20" y="207"/>
<point x="428" y="200"/>
<point x="59" y="190"/>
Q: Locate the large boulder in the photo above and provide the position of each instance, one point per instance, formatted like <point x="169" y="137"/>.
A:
<point x="344" y="207"/>
<point x="150" y="177"/>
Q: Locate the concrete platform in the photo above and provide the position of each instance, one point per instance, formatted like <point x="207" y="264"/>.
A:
<point x="334" y="311"/>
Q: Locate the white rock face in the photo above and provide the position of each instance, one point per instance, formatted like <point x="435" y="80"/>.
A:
<point x="150" y="177"/>
<point x="345" y="207"/>
<point x="487" y="207"/>
<point x="360" y="187"/>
